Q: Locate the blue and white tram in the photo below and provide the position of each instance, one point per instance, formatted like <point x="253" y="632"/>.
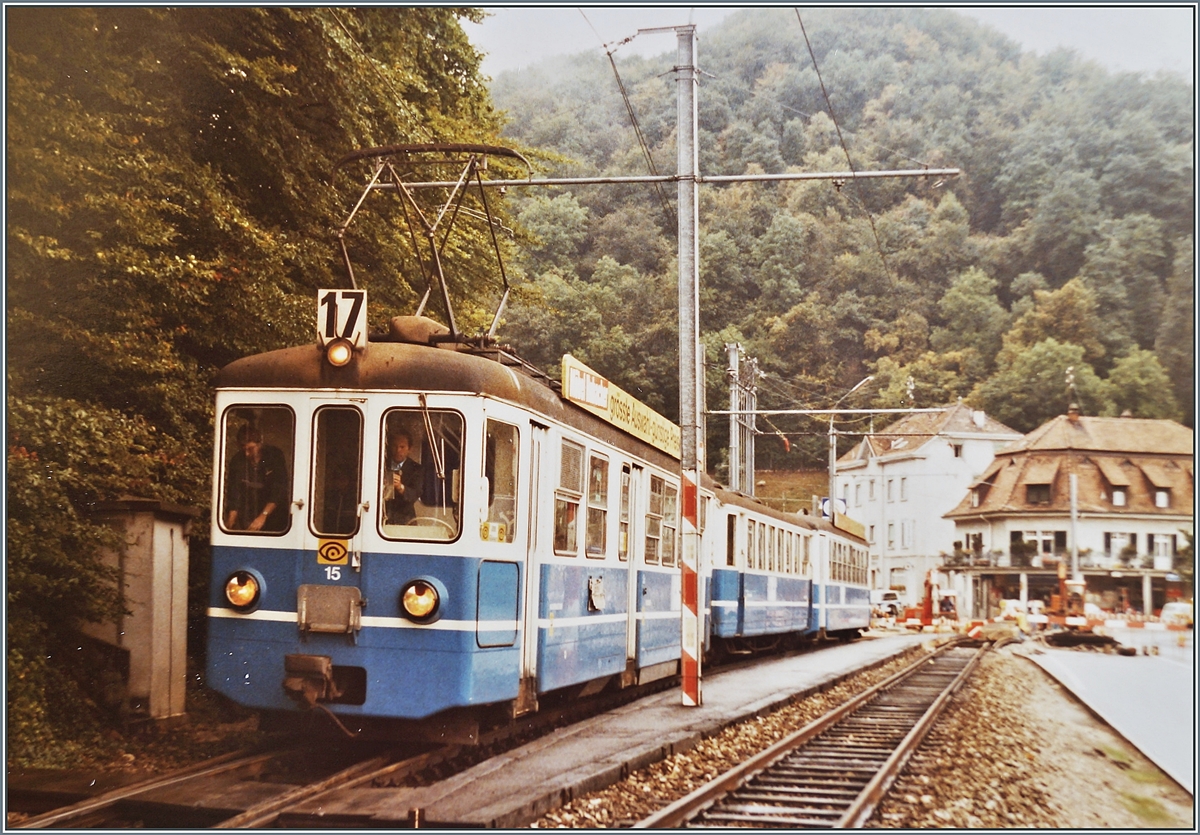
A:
<point x="538" y="550"/>
<point x="424" y="537"/>
<point x="778" y="577"/>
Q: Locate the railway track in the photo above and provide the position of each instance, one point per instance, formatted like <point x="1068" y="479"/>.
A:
<point x="262" y="788"/>
<point x="239" y="790"/>
<point x="834" y="771"/>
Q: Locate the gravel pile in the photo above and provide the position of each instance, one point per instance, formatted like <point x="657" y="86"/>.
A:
<point x="654" y="787"/>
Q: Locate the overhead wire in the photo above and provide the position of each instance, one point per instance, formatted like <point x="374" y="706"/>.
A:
<point x="399" y="99"/>
<point x="668" y="210"/>
<point x="854" y="134"/>
<point x="829" y="105"/>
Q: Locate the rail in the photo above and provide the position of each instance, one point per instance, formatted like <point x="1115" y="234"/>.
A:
<point x="833" y="772"/>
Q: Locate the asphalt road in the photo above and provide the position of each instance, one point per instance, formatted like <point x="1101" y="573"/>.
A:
<point x="1148" y="699"/>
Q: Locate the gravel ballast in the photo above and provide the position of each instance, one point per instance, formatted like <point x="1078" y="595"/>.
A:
<point x="1014" y="749"/>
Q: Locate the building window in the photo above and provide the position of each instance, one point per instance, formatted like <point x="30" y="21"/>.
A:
<point x="1120" y="497"/>
<point x="976" y="497"/>
<point x="891" y="534"/>
<point x="890" y="496"/>
<point x="871" y="490"/>
<point x="871" y="534"/>
<point x="1164" y="544"/>
<point x="903" y="489"/>
<point x="1162" y="498"/>
<point x="908" y="531"/>
<point x="858" y="494"/>
<point x="957" y="450"/>
<point x="1037" y="494"/>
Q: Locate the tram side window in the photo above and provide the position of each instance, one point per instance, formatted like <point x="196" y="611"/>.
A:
<point x="337" y="464"/>
<point x="500" y="469"/>
<point x="804" y="567"/>
<point x="420" y="485"/>
<point x="654" y="521"/>
<point x="670" y="528"/>
<point x="750" y="526"/>
<point x="597" y="514"/>
<point x="566" y="500"/>
<point x="764" y="538"/>
<point x="623" y="535"/>
<point x="259" y="444"/>
<point x="730" y="539"/>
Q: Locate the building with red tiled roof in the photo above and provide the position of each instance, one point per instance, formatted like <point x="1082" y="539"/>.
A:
<point x="899" y="482"/>
<point x="1131" y="502"/>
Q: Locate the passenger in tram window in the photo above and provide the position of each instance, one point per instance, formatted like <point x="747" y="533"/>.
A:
<point x="402" y="479"/>
<point x="256" y="485"/>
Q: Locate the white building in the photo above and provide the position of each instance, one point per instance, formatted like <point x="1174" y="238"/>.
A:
<point x="899" y="483"/>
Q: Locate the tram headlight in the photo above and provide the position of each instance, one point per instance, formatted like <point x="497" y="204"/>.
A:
<point x="420" y="600"/>
<point x="339" y="352"/>
<point x="243" y="590"/>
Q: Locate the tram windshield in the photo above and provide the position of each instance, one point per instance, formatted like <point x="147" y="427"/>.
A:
<point x="257" y="488"/>
<point x="420" y="484"/>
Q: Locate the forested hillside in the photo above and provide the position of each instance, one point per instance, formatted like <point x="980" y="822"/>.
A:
<point x="1065" y="246"/>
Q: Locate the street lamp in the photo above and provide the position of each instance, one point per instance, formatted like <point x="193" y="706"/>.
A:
<point x="833" y="446"/>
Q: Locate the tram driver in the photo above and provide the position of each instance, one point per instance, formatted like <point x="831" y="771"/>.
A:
<point x="256" y="485"/>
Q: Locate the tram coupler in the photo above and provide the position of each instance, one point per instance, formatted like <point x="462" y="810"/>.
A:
<point x="309" y="679"/>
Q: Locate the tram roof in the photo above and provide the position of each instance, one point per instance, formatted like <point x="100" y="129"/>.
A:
<point x="733" y="497"/>
<point x="402" y="366"/>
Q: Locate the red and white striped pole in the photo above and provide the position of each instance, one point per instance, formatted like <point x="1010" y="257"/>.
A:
<point x="691" y="390"/>
<point x="691" y="635"/>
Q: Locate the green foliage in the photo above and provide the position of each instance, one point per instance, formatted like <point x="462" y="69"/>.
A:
<point x="1140" y="385"/>
<point x="171" y="207"/>
<point x="1068" y="314"/>
<point x="1031" y="387"/>
<point x="64" y="457"/>
<point x="974" y="319"/>
<point x="1174" y="343"/>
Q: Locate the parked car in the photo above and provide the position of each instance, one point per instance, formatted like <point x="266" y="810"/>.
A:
<point x="886" y="603"/>
<point x="1177" y="612"/>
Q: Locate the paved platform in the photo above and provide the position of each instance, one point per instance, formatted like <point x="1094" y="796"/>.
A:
<point x="520" y="786"/>
<point x="1148" y="699"/>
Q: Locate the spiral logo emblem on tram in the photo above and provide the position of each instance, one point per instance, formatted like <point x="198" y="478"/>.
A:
<point x="332" y="552"/>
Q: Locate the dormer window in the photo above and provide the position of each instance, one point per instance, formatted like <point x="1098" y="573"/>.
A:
<point x="1162" y="498"/>
<point x="957" y="450"/>
<point x="1120" y="497"/>
<point x="1037" y="494"/>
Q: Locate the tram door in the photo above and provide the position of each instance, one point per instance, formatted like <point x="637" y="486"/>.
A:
<point x="630" y="549"/>
<point x="537" y="542"/>
<point x="333" y="529"/>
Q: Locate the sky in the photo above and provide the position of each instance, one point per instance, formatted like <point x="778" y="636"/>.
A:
<point x="1137" y="39"/>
